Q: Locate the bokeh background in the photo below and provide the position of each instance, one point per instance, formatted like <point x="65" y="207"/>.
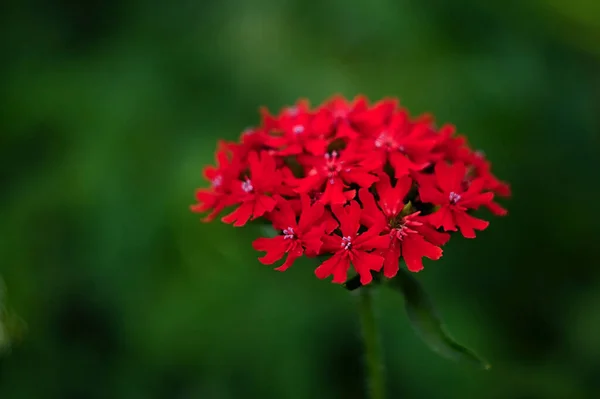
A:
<point x="110" y="109"/>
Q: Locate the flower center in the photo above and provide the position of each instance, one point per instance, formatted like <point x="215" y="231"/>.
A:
<point x="332" y="166"/>
<point x="247" y="186"/>
<point x="298" y="129"/>
<point x="454" y="197"/>
<point x="217" y="181"/>
<point x="399" y="233"/>
<point x="289" y="233"/>
<point x="401" y="228"/>
<point x="346" y="243"/>
<point x="386" y="140"/>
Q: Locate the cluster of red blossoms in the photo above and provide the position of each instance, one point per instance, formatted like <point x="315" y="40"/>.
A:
<point x="363" y="184"/>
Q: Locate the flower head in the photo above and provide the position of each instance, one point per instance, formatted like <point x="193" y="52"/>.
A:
<point x="361" y="186"/>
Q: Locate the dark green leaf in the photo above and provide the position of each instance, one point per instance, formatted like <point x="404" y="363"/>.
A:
<point x="428" y="325"/>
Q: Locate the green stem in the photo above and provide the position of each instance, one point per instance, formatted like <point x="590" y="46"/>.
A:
<point x="373" y="351"/>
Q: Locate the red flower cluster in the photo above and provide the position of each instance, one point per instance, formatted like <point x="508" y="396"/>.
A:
<point x="366" y="184"/>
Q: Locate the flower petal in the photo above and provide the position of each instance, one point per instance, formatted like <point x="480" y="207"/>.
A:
<point x="402" y="165"/>
<point x="316" y="146"/>
<point x="275" y="248"/>
<point x="371" y="239"/>
<point x="262" y="205"/>
<point x="496" y="209"/>
<point x="429" y="193"/>
<point x="293" y="254"/>
<point x="313" y="240"/>
<point x="468" y="224"/>
<point x="391" y="260"/>
<point x="450" y="177"/>
<point x="338" y="265"/>
<point x="371" y="214"/>
<point x="310" y="214"/>
<point x="331" y="244"/>
<point x="334" y="193"/>
<point x="357" y="176"/>
<point x="364" y="262"/>
<point x="414" y="248"/>
<point x="442" y="218"/>
<point x="240" y="216"/>
<point x="430" y="234"/>
<point x="391" y="199"/>
<point x="309" y="183"/>
<point x="284" y="216"/>
<point x="478" y="200"/>
<point x="349" y="218"/>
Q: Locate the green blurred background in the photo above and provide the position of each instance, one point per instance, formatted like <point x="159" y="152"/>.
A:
<point x="110" y="109"/>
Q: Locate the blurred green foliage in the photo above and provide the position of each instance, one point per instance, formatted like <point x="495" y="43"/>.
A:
<point x="110" y="109"/>
<point x="12" y="327"/>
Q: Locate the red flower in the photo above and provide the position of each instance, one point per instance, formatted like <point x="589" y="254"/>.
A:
<point x="370" y="120"/>
<point x="493" y="184"/>
<point x="405" y="144"/>
<point x="410" y="237"/>
<point x="351" y="247"/>
<point x="252" y="139"/>
<point x="297" y="238"/>
<point x="254" y="192"/>
<point x="333" y="172"/>
<point x="216" y="198"/>
<point x="446" y="190"/>
<point x="454" y="148"/>
<point x="292" y="132"/>
<point x="337" y="116"/>
<point x="483" y="169"/>
<point x="288" y="116"/>
<point x="457" y="150"/>
<point x="408" y="243"/>
<point x="326" y="220"/>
